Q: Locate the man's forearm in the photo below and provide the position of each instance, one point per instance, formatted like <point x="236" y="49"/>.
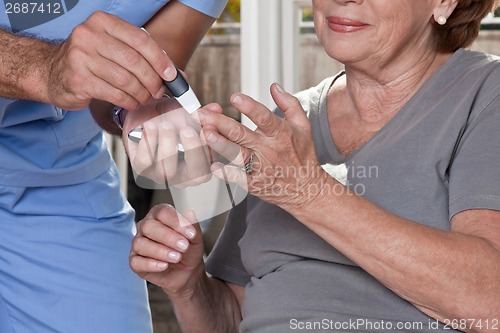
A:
<point x="24" y="67"/>
<point x="211" y="307"/>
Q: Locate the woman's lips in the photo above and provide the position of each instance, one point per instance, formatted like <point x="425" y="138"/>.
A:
<point x="344" y="25"/>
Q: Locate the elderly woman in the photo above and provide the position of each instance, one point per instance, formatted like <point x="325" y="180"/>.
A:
<point x="376" y="209"/>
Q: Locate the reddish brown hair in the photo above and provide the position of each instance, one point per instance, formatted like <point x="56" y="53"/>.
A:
<point x="463" y="25"/>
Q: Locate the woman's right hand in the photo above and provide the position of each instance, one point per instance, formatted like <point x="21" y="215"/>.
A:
<point x="168" y="250"/>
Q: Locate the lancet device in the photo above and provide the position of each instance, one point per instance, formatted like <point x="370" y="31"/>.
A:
<point x="184" y="94"/>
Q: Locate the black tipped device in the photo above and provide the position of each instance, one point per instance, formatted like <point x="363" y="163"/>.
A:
<point x="183" y="93"/>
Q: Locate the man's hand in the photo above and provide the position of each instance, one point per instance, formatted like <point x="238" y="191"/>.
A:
<point x="108" y="59"/>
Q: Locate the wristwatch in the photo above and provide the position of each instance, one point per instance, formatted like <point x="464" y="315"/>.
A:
<point x="118" y="116"/>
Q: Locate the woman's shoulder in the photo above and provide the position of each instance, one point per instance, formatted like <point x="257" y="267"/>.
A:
<point x="485" y="69"/>
<point x="472" y="73"/>
<point x="475" y="62"/>
<point x="466" y="53"/>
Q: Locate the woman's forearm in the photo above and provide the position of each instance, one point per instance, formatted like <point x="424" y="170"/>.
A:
<point x="447" y="275"/>
<point x="210" y="307"/>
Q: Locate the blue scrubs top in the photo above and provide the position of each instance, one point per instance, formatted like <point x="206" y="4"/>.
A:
<point x="65" y="228"/>
<point x="40" y="144"/>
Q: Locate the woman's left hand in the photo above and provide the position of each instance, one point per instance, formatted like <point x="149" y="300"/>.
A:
<point x="284" y="167"/>
<point x="164" y="124"/>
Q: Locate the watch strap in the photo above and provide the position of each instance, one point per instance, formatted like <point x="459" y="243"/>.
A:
<point x="118" y="116"/>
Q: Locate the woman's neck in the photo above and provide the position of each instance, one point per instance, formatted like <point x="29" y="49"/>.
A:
<point x="376" y="95"/>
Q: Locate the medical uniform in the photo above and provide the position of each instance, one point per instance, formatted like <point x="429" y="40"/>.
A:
<point x="65" y="228"/>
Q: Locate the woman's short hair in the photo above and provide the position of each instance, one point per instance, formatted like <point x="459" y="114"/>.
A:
<point x="463" y="25"/>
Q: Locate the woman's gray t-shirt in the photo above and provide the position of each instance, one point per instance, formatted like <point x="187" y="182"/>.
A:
<point x="438" y="156"/>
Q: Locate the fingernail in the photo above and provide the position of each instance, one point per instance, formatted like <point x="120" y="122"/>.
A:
<point x="280" y="89"/>
<point x="167" y="125"/>
<point x="161" y="265"/>
<point x="170" y="73"/>
<point x="182" y="245"/>
<point x="212" y="138"/>
<point x="217" y="170"/>
<point x="188" y="132"/>
<point x="176" y="256"/>
<point x="238" y="100"/>
<point x="200" y="116"/>
<point x="190" y="233"/>
<point x="212" y="107"/>
<point x="160" y="93"/>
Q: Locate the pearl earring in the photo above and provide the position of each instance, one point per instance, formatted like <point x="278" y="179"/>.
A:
<point x="441" y="20"/>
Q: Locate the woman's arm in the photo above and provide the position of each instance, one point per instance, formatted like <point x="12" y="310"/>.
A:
<point x="168" y="251"/>
<point x="213" y="307"/>
<point x="448" y="275"/>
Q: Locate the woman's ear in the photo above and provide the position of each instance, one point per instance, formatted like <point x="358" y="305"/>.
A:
<point x="443" y="10"/>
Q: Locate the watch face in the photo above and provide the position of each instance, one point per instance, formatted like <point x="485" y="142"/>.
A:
<point x="117" y="116"/>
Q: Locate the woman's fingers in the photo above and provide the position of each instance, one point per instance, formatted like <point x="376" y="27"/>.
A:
<point x="230" y="174"/>
<point x="148" y="248"/>
<point x="166" y="162"/>
<point x="196" y="164"/>
<point x="290" y="105"/>
<point x="147" y="147"/>
<point x="267" y="122"/>
<point x="155" y="155"/>
<point x="166" y="240"/>
<point x="230" y="151"/>
<point x="168" y="216"/>
<point x="228" y="127"/>
<point x="163" y="237"/>
<point x="143" y="265"/>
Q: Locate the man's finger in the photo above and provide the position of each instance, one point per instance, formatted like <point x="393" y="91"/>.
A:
<point x="143" y="43"/>
<point x="121" y="78"/>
